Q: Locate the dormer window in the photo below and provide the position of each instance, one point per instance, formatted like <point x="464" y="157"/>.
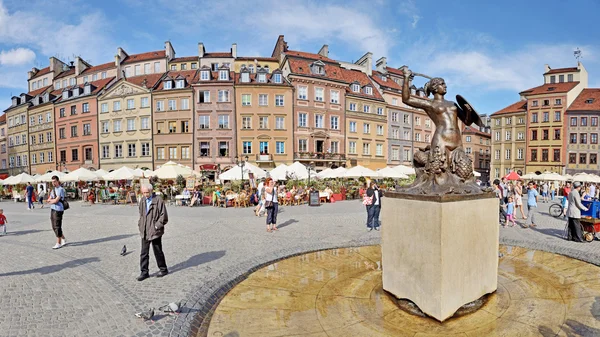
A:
<point x="277" y="78"/>
<point x="204" y="75"/>
<point x="87" y="89"/>
<point x="355" y="87"/>
<point x="15" y="101"/>
<point x="76" y="92"/>
<point x="262" y="78"/>
<point x="383" y="78"/>
<point x="65" y="94"/>
<point x="266" y="67"/>
<point x="245" y="77"/>
<point x="589" y="101"/>
<point x="179" y="84"/>
<point x="168" y="85"/>
<point x="368" y="90"/>
<point x="251" y="68"/>
<point x="46" y="97"/>
<point x="223" y="75"/>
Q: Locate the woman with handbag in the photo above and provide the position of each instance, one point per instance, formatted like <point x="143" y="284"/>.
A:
<point x="271" y="204"/>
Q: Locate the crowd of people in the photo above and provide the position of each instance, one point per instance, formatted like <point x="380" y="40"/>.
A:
<point x="515" y="196"/>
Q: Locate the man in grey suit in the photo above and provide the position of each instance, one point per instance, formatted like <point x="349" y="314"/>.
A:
<point x="574" y="213"/>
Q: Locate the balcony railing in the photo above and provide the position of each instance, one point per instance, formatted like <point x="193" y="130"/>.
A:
<point x="264" y="158"/>
<point x="316" y="156"/>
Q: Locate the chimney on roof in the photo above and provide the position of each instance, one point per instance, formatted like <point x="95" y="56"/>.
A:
<point x="381" y="64"/>
<point x="144" y="83"/>
<point x="122" y="54"/>
<point x="200" y="49"/>
<point x="324" y="51"/>
<point x="546" y="68"/>
<point x="169" y="51"/>
<point x="32" y="73"/>
<point x="234" y="50"/>
<point x="55" y="65"/>
<point x="80" y="66"/>
<point x="366" y="61"/>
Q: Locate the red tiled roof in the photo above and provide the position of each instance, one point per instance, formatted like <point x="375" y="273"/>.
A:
<point x="389" y="83"/>
<point x="185" y="59"/>
<point x="562" y="70"/>
<point x="191" y="76"/>
<point x="66" y="73"/>
<point x="395" y="71"/>
<point x="258" y="58"/>
<point x="591" y="95"/>
<point x="3" y="119"/>
<point x="41" y="72"/>
<point x="105" y="66"/>
<point x="151" y="80"/>
<point x="151" y="55"/>
<point x="336" y="73"/>
<point x="38" y="91"/>
<point x="520" y="106"/>
<point x="472" y="130"/>
<point x="253" y="81"/>
<point x="218" y="54"/>
<point x="546" y="88"/>
<point x="309" y="56"/>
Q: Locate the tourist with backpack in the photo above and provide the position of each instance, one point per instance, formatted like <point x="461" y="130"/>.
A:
<point x="58" y="205"/>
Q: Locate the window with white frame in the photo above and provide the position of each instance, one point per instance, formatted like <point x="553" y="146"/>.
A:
<point x="48" y="117"/>
<point x="507" y="154"/>
<point x="417" y="137"/>
<point x="366" y="128"/>
<point x="145" y="123"/>
<point x="118" y="151"/>
<point x="223" y="121"/>
<point x="355" y="87"/>
<point x="185" y="103"/>
<point x="507" y="136"/>
<point x="302" y="92"/>
<point x="302" y="145"/>
<point x="204" y="96"/>
<point x="520" y="153"/>
<point x="246" y="99"/>
<point x="160" y="153"/>
<point x="366" y="108"/>
<point x="352" y="147"/>
<point x="172" y="104"/>
<point x="394" y="116"/>
<point x="130" y="104"/>
<point x="380" y="111"/>
<point x="168" y="85"/>
<point x="144" y="103"/>
<point x="223" y="75"/>
<point x="42" y="157"/>
<point x="277" y="78"/>
<point x="395" y="154"/>
<point x="279" y="100"/>
<point x="406" y="135"/>
<point x="366" y="148"/>
<point x="520" y="135"/>
<point x="302" y="120"/>
<point x="279" y="123"/>
<point x="223" y="95"/>
<point x="380" y="130"/>
<point x="379" y="150"/>
<point x="352" y="127"/>
<point x="105" y="151"/>
<point x="247" y="147"/>
<point x="395" y="133"/>
<point x="427" y="122"/>
<point x="280" y="147"/>
<point x="262" y="78"/>
<point x="335" y="96"/>
<point x="319" y="94"/>
<point x="263" y="122"/>
<point x="204" y="75"/>
<point x="179" y="84"/>
<point x="131" y="150"/>
<point x="263" y="99"/>
<point x="204" y="122"/>
<point x="117" y="126"/>
<point x="116" y="105"/>
<point x="104" y="127"/>
<point x="369" y="90"/>
<point x="319" y="121"/>
<point x="394" y="101"/>
<point x="172" y="153"/>
<point x="417" y="120"/>
<point x="334" y="122"/>
<point x="145" y="149"/>
<point x="87" y="129"/>
<point x="497" y="154"/>
<point x="131" y="124"/>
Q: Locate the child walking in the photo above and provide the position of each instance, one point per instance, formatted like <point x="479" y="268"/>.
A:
<point x="3" y="223"/>
<point x="510" y="212"/>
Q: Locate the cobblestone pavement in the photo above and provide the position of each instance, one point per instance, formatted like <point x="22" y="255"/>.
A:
<point x="88" y="289"/>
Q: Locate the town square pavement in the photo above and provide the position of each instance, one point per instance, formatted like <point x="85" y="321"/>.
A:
<point x="87" y="289"/>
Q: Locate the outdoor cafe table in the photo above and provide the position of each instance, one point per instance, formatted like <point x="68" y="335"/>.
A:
<point x="179" y="198"/>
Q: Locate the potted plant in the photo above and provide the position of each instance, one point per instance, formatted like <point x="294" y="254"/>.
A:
<point x="207" y="195"/>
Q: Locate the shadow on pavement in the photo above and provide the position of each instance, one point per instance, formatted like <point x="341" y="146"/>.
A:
<point x="53" y="268"/>
<point x="558" y="233"/>
<point x="197" y="260"/>
<point x="287" y="223"/>
<point x="29" y="231"/>
<point x="99" y="240"/>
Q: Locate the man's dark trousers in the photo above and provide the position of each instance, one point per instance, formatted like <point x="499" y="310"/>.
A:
<point x="158" y="254"/>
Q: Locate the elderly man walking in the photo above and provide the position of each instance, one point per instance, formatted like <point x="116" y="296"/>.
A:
<point x="574" y="213"/>
<point x="153" y="218"/>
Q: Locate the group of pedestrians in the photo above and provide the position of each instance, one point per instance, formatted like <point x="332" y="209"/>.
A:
<point x="511" y="199"/>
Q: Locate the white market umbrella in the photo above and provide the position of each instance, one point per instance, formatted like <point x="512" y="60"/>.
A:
<point x="552" y="176"/>
<point x="586" y="178"/>
<point x="235" y="173"/>
<point x="335" y="173"/>
<point x="390" y="172"/>
<point x="100" y="173"/>
<point x="148" y="173"/>
<point x="477" y="174"/>
<point x="47" y="177"/>
<point x="529" y="176"/>
<point x="22" y="178"/>
<point x="360" y="171"/>
<point x="405" y="169"/>
<point x="81" y="174"/>
<point x="123" y="173"/>
<point x="171" y="170"/>
<point x="297" y="170"/>
<point x="279" y="173"/>
<point x="325" y="172"/>
<point x="568" y="177"/>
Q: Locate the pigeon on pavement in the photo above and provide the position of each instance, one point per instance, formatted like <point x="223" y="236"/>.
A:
<point x="124" y="250"/>
<point x="171" y="308"/>
<point x="146" y="315"/>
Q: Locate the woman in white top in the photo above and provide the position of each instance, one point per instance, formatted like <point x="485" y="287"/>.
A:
<point x="271" y="195"/>
<point x="519" y="198"/>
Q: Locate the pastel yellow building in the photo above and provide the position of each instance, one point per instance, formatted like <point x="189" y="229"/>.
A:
<point x="41" y="132"/>
<point x="184" y="63"/>
<point x="253" y="64"/>
<point x="509" y="130"/>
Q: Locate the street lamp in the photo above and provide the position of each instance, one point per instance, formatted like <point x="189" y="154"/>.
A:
<point x="241" y="164"/>
<point x="310" y="167"/>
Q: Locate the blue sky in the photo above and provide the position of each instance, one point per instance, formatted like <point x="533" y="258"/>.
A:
<point x="487" y="51"/>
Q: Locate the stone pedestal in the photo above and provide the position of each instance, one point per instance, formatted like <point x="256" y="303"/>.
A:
<point x="441" y="252"/>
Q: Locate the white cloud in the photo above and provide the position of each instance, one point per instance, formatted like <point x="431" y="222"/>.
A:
<point x="17" y="56"/>
<point x="416" y="19"/>
<point x="409" y="8"/>
<point x="496" y="70"/>
<point x="56" y="35"/>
